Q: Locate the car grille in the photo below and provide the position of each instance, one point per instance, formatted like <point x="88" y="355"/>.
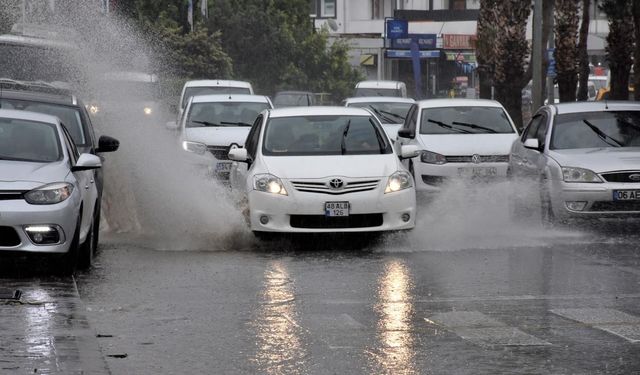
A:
<point x="482" y="159"/>
<point x="324" y="222"/>
<point x="323" y="187"/>
<point x="219" y="152"/>
<point x="11" y="195"/>
<point x="615" y="206"/>
<point x="9" y="237"/>
<point x="622" y="177"/>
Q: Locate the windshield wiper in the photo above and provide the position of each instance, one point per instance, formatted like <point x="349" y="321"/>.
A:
<point x="343" y="145"/>
<point x="474" y="126"/>
<point x="393" y="114"/>
<point x="239" y="123"/>
<point x="380" y="113"/>
<point x="205" y="123"/>
<point x="603" y="135"/>
<point x="447" y="126"/>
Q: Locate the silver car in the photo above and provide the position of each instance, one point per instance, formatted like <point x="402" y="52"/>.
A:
<point x="48" y="197"/>
<point x="583" y="159"/>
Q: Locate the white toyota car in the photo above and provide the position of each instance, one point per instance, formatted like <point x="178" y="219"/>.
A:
<point x="459" y="138"/>
<point x="324" y="169"/>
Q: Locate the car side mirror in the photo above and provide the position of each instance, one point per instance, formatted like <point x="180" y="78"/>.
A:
<point x="107" y="144"/>
<point x="87" y="162"/>
<point x="239" y="154"/>
<point x="532" y="144"/>
<point x="406" y="133"/>
<point x="409" y="151"/>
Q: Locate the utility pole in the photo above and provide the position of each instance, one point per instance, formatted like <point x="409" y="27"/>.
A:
<point x="536" y="60"/>
<point x="551" y="74"/>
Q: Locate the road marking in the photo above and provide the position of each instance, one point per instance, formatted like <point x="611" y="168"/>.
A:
<point x="612" y="321"/>
<point x="483" y="330"/>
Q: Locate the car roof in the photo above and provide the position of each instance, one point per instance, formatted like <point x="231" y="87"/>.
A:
<point x="29" y="116"/>
<point x="130" y="76"/>
<point x="379" y="99"/>
<point x="595" y="106"/>
<point x="34" y="96"/>
<point x="230" y="98"/>
<point x="379" y="84"/>
<point x="318" y="111"/>
<point x="217" y="82"/>
<point x="21" y="40"/>
<point x="438" y="103"/>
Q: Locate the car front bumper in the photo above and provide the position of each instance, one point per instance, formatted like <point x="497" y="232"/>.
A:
<point x="303" y="212"/>
<point x="592" y="200"/>
<point x="432" y="177"/>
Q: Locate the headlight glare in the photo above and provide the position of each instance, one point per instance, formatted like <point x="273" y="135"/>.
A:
<point x="147" y="110"/>
<point x="195" y="147"/>
<point x="49" y="194"/>
<point x="572" y="174"/>
<point x="269" y="183"/>
<point x="398" y="181"/>
<point x="432" y="158"/>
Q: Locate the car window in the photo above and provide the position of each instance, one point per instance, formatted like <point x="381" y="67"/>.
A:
<point x="324" y="135"/>
<point x="193" y="91"/>
<point x="532" y="129"/>
<point x="387" y="112"/>
<point x="410" y="116"/>
<point x="72" y="150"/>
<point x="293" y="100"/>
<point x="596" y="130"/>
<point x="464" y="120"/>
<point x="252" y="138"/>
<point x="363" y="91"/>
<point x="69" y="116"/>
<point x="224" y="113"/>
<point x="29" y="141"/>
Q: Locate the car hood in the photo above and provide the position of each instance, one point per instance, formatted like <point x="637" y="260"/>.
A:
<point x="217" y="136"/>
<point x="391" y="130"/>
<point x="599" y="160"/>
<point x="355" y="166"/>
<point x="468" y="144"/>
<point x="20" y="175"/>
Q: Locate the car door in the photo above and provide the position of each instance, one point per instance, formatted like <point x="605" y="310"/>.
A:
<point x="86" y="183"/>
<point x="251" y="144"/>
<point x="530" y="161"/>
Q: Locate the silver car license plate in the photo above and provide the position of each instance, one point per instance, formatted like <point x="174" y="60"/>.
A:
<point x="224" y="166"/>
<point x="336" y="209"/>
<point x="626" y="195"/>
<point x="478" y="172"/>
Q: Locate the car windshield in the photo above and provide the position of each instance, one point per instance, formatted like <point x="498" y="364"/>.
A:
<point x="364" y="91"/>
<point x="387" y="112"/>
<point x="69" y="116"/>
<point x="215" y="90"/>
<point x="465" y="119"/>
<point x="224" y="113"/>
<point x="596" y="130"/>
<point x="292" y="100"/>
<point x="324" y="135"/>
<point x="31" y="141"/>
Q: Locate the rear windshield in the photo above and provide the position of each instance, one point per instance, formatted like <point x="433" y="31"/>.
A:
<point x="69" y="116"/>
<point x="596" y="130"/>
<point x="464" y="120"/>
<point x="362" y="91"/>
<point x="224" y="113"/>
<point x="31" y="141"/>
<point x="292" y="100"/>
<point x="193" y="91"/>
<point x="324" y="135"/>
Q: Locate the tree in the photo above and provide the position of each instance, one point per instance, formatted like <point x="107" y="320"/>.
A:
<point x="511" y="50"/>
<point x="619" y="43"/>
<point x="583" y="55"/>
<point x="566" y="52"/>
<point x="486" y="36"/>
<point x="636" y="52"/>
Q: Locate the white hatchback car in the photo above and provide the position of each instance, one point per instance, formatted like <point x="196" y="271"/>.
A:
<point x="211" y="87"/>
<point x="459" y="138"/>
<point x="324" y="169"/>
<point x="48" y="195"/>
<point x="212" y="124"/>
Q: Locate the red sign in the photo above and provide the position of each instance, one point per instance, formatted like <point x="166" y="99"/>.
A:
<point x="457" y="41"/>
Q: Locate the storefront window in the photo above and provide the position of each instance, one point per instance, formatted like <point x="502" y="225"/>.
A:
<point x="328" y="8"/>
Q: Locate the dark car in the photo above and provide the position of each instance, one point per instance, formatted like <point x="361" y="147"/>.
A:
<point x="53" y="100"/>
<point x="294" y="99"/>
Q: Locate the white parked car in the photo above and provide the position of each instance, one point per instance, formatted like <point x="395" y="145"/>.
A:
<point x="459" y="138"/>
<point x="391" y="111"/>
<point x="381" y="88"/>
<point x="212" y="124"/>
<point x="324" y="169"/>
<point x="211" y="87"/>
<point x="48" y="196"/>
<point x="581" y="159"/>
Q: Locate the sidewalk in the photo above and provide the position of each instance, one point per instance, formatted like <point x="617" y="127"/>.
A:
<point x="46" y="331"/>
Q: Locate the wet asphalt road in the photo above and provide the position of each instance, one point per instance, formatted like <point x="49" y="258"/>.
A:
<point x="570" y="307"/>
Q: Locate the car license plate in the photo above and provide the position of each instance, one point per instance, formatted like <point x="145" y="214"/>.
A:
<point x="626" y="195"/>
<point x="336" y="209"/>
<point x="223" y="167"/>
<point x="478" y="172"/>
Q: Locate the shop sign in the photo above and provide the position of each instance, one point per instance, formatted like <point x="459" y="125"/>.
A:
<point x="397" y="29"/>
<point x="425" y="41"/>
<point x="457" y="41"/>
<point x="406" y="54"/>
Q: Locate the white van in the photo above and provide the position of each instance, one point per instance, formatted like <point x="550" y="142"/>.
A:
<point x="381" y="88"/>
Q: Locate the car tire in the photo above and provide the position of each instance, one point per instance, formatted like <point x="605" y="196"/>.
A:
<point x="67" y="263"/>
<point x="87" y="249"/>
<point x="96" y="227"/>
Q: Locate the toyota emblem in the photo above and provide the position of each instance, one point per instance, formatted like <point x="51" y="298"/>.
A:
<point x="634" y="177"/>
<point x="336" y="184"/>
<point x="475" y="159"/>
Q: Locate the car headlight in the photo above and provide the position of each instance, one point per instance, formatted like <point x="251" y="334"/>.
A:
<point x="269" y="183"/>
<point x="49" y="194"/>
<point x="147" y="110"/>
<point x="398" y="181"/>
<point x="432" y="158"/>
<point x="93" y="109"/>
<point x="572" y="174"/>
<point x="195" y="147"/>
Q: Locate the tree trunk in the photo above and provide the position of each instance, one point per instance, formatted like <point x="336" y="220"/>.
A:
<point x="583" y="55"/>
<point x="619" y="43"/>
<point x="510" y="96"/>
<point x="486" y="34"/>
<point x="636" y="52"/>
<point x="566" y="34"/>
